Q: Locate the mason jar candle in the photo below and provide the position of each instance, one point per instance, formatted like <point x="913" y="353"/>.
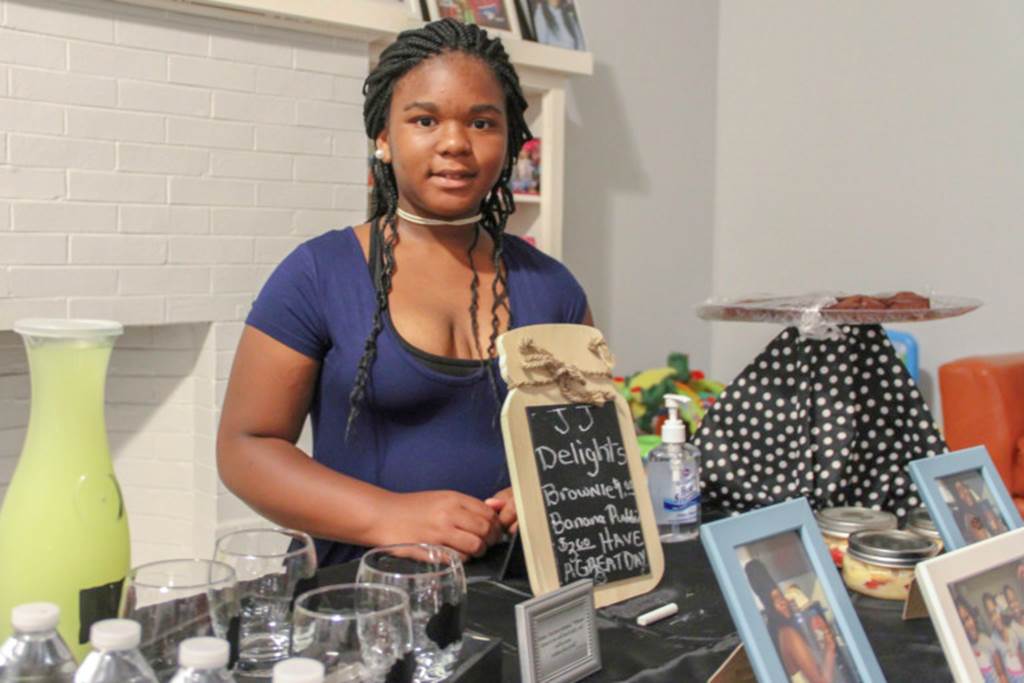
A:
<point x="837" y="524"/>
<point x="881" y="563"/>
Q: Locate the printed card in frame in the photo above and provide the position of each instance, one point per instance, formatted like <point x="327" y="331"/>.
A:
<point x="533" y="391"/>
<point x="497" y="17"/>
<point x="776" y="575"/>
<point x="966" y="592"/>
<point x="965" y="496"/>
<point x="561" y="623"/>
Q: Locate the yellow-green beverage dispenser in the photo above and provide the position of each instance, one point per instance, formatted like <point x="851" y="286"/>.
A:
<point x="63" y="526"/>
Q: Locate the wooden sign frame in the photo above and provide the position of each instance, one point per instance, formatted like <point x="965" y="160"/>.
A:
<point x="570" y="344"/>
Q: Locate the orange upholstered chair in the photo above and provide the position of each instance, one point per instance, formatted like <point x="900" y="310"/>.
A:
<point x="983" y="404"/>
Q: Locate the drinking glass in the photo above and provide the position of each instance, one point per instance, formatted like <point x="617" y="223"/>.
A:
<point x="177" y="599"/>
<point x="361" y="633"/>
<point x="268" y="564"/>
<point x="436" y="583"/>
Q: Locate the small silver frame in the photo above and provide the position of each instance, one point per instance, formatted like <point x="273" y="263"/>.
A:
<point x="577" y="596"/>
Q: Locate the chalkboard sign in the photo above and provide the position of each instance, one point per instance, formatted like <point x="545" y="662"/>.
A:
<point x="588" y="493"/>
<point x="581" y="493"/>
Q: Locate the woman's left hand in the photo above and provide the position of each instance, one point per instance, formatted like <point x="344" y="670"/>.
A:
<point x="504" y="504"/>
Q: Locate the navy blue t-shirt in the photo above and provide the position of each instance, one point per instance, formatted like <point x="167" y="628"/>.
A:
<point x="422" y="429"/>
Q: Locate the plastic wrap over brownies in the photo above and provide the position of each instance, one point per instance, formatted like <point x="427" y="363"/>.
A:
<point x="835" y="420"/>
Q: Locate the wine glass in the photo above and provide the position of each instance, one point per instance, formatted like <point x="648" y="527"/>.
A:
<point x="178" y="599"/>
<point x="361" y="633"/>
<point x="436" y="583"/>
<point x="268" y="564"/>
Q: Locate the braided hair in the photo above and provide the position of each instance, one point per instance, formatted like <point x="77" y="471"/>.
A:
<point x="410" y="49"/>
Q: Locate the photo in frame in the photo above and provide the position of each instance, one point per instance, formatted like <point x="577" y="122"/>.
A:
<point x="553" y="22"/>
<point x="965" y="496"/>
<point x="789" y="604"/>
<point x="498" y="17"/>
<point x="973" y="596"/>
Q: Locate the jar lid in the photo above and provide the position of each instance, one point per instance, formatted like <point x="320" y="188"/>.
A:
<point x="843" y="521"/>
<point x="891" y="548"/>
<point x="73" y="328"/>
<point x="919" y="521"/>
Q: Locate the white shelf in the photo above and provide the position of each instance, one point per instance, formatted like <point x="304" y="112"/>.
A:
<point x="526" y="198"/>
<point x="544" y="72"/>
<point x="365" y="20"/>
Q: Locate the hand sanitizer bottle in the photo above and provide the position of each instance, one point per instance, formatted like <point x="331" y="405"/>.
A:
<point x="673" y="475"/>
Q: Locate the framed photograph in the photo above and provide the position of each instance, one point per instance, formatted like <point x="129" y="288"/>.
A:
<point x="526" y="173"/>
<point x="786" y="598"/>
<point x="557" y="635"/>
<point x="974" y="598"/>
<point x="497" y="16"/>
<point x="555" y="22"/>
<point x="415" y="8"/>
<point x="965" y="496"/>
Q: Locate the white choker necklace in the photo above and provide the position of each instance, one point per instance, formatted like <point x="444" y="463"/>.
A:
<point x="420" y="220"/>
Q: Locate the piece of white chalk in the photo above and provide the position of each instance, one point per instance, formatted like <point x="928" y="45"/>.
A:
<point x="657" y="614"/>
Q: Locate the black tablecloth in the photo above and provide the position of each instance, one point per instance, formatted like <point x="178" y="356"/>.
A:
<point x="689" y="646"/>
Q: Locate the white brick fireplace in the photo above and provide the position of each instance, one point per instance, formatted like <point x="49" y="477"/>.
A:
<point x="154" y="167"/>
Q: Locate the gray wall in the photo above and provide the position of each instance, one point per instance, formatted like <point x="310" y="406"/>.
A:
<point x="872" y="146"/>
<point x="639" y="180"/>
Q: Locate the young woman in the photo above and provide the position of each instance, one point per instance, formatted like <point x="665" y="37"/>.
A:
<point x="799" y="658"/>
<point x="989" y="663"/>
<point x="1005" y="640"/>
<point x="385" y="333"/>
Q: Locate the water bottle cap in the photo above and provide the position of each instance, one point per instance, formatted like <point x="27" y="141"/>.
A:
<point x="203" y="653"/>
<point x="115" y="634"/>
<point x="34" y="617"/>
<point x="298" y="670"/>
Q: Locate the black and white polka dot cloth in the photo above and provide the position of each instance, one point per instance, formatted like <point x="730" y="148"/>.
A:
<point x="835" y="421"/>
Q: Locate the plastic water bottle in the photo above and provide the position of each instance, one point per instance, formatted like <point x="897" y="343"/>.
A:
<point x="298" y="670"/>
<point x="203" y="660"/>
<point x="36" y="652"/>
<point x="673" y="475"/>
<point x="115" y="657"/>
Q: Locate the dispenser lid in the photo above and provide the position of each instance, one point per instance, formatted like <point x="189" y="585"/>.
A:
<point x="68" y="328"/>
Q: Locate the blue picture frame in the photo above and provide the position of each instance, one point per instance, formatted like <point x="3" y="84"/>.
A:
<point x="926" y="473"/>
<point x="723" y="539"/>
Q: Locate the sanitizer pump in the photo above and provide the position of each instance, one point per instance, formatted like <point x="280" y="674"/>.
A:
<point x="673" y="474"/>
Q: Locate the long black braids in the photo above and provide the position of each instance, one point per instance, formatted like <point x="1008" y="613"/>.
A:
<point x="410" y="49"/>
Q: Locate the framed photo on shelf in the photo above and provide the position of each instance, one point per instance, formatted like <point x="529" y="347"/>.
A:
<point x="786" y="598"/>
<point x="525" y="178"/>
<point x="497" y="16"/>
<point x="415" y="8"/>
<point x="965" y="496"/>
<point x="554" y="22"/>
<point x="973" y="596"/>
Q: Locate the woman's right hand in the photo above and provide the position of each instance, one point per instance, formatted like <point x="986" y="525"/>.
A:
<point x="448" y="518"/>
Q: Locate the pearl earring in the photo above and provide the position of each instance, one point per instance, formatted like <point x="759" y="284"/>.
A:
<point x="378" y="154"/>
